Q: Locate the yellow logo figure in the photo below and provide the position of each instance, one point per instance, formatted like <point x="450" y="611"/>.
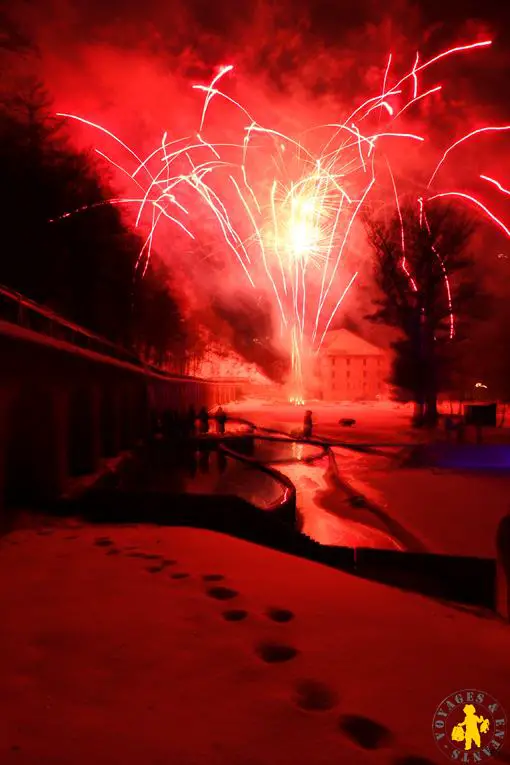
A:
<point x="469" y="726"/>
<point x="468" y="730"/>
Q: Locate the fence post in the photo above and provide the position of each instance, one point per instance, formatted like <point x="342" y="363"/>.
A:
<point x="503" y="568"/>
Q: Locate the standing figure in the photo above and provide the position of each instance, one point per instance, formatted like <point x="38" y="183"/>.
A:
<point x="307" y="424"/>
<point x="203" y="420"/>
<point x="221" y="419"/>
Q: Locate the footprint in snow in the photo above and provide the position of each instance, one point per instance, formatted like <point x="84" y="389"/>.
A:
<point x="275" y="653"/>
<point x="222" y="593"/>
<point x="366" y="733"/>
<point x="314" y="696"/>
<point x="280" y="615"/>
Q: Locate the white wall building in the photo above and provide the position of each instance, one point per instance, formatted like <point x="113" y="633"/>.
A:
<point x="352" y="369"/>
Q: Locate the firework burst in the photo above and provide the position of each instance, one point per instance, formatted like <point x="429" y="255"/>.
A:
<point x="284" y="211"/>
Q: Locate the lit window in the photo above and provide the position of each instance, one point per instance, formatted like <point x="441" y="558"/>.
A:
<point x="364" y="362"/>
<point x="348" y="375"/>
<point x="348" y="361"/>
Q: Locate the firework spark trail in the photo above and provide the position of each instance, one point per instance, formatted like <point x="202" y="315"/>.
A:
<point x="496" y="183"/>
<point x="444" y="54"/>
<point x="403" y="262"/>
<point x="337" y="306"/>
<point x="415" y="77"/>
<point x="84" y="208"/>
<point x="475" y="201"/>
<point x="423" y="218"/>
<point x="165" y="170"/>
<point x="448" y="289"/>
<point x="293" y="212"/>
<point x="103" y="130"/>
<point x="479" y="131"/>
<point x="212" y="92"/>
<point x="275" y="226"/>
<point x="386" y="73"/>
<point x="418" y="98"/>
<point x="340" y="253"/>
<point x="324" y="270"/>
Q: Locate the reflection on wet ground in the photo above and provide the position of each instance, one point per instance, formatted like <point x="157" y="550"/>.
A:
<point x="185" y="470"/>
<point x="276" y="452"/>
<point x="327" y="514"/>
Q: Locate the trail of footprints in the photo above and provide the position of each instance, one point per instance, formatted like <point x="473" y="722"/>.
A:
<point x="308" y="694"/>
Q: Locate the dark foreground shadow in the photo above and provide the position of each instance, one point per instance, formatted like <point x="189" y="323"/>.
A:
<point x="469" y="581"/>
<point x="151" y="494"/>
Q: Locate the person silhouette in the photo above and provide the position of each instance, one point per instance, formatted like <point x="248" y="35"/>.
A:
<point x="307" y="424"/>
<point x="470" y="724"/>
<point x="221" y="419"/>
<point x="203" y="420"/>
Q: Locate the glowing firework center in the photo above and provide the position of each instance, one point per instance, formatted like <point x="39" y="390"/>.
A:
<point x="297" y="238"/>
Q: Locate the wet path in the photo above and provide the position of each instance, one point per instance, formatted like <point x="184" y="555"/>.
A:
<point x="326" y="513"/>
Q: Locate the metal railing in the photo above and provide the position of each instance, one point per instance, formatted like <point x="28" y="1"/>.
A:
<point x="19" y="310"/>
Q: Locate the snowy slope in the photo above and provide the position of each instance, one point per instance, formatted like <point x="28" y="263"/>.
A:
<point x="109" y="658"/>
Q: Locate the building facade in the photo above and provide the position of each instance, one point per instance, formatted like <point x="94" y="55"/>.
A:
<point x="351" y="369"/>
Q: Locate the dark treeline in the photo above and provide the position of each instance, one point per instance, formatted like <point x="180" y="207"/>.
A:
<point x="82" y="266"/>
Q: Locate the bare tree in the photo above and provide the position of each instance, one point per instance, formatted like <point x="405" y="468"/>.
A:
<point x="428" y="292"/>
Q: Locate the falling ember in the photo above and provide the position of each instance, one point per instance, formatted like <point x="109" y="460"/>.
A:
<point x="285" y="211"/>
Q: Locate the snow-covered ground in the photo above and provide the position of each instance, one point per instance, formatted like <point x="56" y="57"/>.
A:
<point x="129" y="645"/>
<point x="373" y="419"/>
<point x="445" y="511"/>
<point x="450" y="513"/>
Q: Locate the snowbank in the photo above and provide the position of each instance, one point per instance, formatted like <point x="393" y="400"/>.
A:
<point x="131" y="645"/>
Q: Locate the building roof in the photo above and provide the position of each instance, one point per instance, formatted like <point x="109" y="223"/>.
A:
<point x="341" y="342"/>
